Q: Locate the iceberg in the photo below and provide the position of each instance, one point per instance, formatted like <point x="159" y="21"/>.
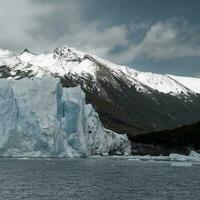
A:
<point x="175" y="158"/>
<point x="181" y="164"/>
<point x="192" y="157"/>
<point x="40" y="118"/>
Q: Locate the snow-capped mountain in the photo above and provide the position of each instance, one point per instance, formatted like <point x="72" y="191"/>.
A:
<point x="66" y="60"/>
<point x="126" y="99"/>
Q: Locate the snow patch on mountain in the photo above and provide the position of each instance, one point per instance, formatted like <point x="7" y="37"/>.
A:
<point x="192" y="83"/>
<point x="159" y="82"/>
<point x="62" y="61"/>
<point x="8" y="58"/>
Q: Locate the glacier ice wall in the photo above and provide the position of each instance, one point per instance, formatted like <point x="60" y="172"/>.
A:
<point x="39" y="118"/>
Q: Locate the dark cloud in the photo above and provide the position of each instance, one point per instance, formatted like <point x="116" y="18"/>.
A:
<point x="152" y="32"/>
<point x="165" y="40"/>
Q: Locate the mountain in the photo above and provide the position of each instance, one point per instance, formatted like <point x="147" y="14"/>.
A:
<point x="127" y="100"/>
<point x="40" y="118"/>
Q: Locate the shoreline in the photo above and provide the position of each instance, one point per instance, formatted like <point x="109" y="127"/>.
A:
<point x="193" y="157"/>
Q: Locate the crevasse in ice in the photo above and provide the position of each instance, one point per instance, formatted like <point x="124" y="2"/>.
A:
<point x="39" y="118"/>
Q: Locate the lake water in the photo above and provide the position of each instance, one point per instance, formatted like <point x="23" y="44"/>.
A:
<point x="97" y="179"/>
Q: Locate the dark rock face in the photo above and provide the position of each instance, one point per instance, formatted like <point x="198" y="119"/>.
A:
<point x="6" y="72"/>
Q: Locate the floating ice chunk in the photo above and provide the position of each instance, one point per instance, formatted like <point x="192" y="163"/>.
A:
<point x="194" y="154"/>
<point x="181" y="164"/>
<point x="178" y="157"/>
<point x="193" y="157"/>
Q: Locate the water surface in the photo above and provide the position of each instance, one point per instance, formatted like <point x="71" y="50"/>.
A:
<point x="97" y="179"/>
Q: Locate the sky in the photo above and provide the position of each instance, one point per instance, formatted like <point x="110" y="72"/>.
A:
<point x="161" y="36"/>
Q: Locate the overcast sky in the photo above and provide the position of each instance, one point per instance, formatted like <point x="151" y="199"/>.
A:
<point x="150" y="35"/>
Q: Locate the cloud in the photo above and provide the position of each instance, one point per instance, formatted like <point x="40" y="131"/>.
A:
<point x="40" y="25"/>
<point x="45" y="24"/>
<point x="17" y="22"/>
<point x="67" y="26"/>
<point x="93" y="39"/>
<point x="139" y="27"/>
<point x="165" y="40"/>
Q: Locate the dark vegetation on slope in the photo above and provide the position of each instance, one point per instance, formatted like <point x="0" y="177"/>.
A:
<point x="180" y="140"/>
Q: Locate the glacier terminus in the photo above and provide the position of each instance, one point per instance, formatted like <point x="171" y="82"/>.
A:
<point x="40" y="118"/>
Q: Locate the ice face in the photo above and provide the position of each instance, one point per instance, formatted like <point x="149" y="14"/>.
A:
<point x="39" y="118"/>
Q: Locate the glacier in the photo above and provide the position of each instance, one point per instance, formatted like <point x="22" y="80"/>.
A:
<point x="40" y="118"/>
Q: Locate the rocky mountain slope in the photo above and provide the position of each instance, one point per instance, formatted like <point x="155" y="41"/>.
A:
<point x="128" y="101"/>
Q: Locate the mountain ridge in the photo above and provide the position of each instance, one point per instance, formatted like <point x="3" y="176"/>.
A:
<point x="152" y="80"/>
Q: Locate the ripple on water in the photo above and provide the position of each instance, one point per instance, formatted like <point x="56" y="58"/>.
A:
<point x="81" y="179"/>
